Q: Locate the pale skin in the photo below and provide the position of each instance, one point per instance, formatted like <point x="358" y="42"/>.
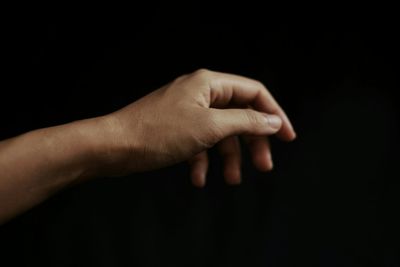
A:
<point x="178" y="122"/>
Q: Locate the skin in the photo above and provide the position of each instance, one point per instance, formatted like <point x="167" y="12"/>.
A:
<point x="178" y="122"/>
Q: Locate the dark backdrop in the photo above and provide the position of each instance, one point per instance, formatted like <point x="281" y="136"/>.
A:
<point x="331" y="200"/>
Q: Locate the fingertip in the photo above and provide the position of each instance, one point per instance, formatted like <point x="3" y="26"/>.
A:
<point x="287" y="135"/>
<point x="234" y="182"/>
<point x="198" y="184"/>
<point x="287" y="130"/>
<point x="271" y="166"/>
<point x="268" y="164"/>
<point x="294" y="135"/>
<point x="291" y="136"/>
<point x="198" y="180"/>
<point x="233" y="177"/>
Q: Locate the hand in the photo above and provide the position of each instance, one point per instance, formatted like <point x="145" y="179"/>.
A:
<point x="183" y="119"/>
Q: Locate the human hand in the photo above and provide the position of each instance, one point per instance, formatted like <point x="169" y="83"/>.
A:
<point x="191" y="114"/>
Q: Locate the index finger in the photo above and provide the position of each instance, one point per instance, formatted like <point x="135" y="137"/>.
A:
<point x="226" y="89"/>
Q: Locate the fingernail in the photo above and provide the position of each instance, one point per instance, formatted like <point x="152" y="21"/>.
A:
<point x="274" y="121"/>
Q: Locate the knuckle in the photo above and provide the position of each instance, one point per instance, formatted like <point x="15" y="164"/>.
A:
<point x="263" y="89"/>
<point x="202" y="74"/>
<point x="214" y="133"/>
<point x="260" y="84"/>
<point x="202" y="71"/>
<point x="251" y="116"/>
<point x="180" y="78"/>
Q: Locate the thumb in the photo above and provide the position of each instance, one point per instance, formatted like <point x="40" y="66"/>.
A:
<point x="246" y="121"/>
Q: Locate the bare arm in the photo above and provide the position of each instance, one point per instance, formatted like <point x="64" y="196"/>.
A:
<point x="37" y="164"/>
<point x="177" y="122"/>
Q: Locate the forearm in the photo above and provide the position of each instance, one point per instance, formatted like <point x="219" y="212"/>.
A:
<point x="37" y="164"/>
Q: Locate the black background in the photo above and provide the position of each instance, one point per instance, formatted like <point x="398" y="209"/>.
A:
<point x="331" y="200"/>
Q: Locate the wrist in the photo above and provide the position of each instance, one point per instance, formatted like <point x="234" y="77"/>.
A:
<point x="103" y="151"/>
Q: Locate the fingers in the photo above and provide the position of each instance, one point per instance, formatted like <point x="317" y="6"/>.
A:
<point x="261" y="116"/>
<point x="260" y="151"/>
<point x="228" y="88"/>
<point x="287" y="132"/>
<point x="229" y="149"/>
<point x="199" y="167"/>
<point x="229" y="122"/>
